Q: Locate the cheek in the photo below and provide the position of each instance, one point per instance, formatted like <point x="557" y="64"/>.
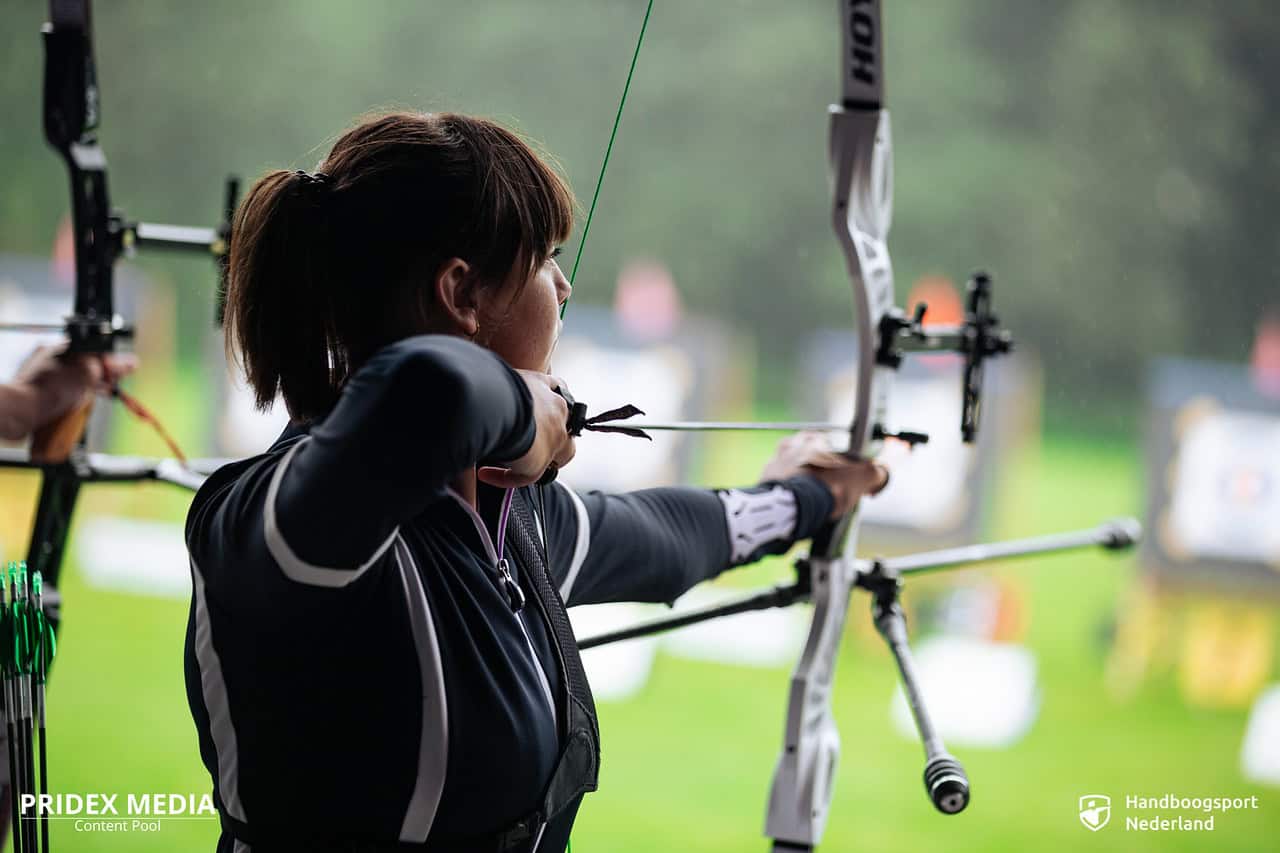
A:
<point x="525" y="341"/>
<point x="543" y="309"/>
<point x="544" y="321"/>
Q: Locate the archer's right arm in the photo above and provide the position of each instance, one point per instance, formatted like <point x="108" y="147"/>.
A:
<point x="409" y="421"/>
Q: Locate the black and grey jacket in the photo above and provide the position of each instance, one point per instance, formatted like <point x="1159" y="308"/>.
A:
<point x="357" y="675"/>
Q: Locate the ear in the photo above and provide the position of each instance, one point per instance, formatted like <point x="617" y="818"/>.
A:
<point x="457" y="297"/>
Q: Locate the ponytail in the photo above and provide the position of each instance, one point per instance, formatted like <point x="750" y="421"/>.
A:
<point x="277" y="306"/>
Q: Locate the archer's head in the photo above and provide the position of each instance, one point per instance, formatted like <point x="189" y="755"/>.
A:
<point x="414" y="224"/>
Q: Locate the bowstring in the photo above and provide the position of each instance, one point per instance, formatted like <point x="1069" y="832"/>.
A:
<point x="617" y="119"/>
<point x="142" y="413"/>
<point x="591" y="212"/>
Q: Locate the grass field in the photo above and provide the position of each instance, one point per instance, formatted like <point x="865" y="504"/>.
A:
<point x="686" y="764"/>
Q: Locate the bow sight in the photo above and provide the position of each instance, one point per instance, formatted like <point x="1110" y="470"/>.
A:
<point x="978" y="338"/>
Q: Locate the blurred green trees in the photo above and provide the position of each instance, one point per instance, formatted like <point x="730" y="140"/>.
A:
<point x="1114" y="164"/>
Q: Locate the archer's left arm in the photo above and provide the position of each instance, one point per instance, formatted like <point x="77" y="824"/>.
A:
<point x="655" y="544"/>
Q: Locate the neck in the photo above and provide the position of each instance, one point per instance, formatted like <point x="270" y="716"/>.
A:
<point x="465" y="485"/>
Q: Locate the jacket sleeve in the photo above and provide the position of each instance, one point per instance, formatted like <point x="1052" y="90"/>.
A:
<point x="655" y="544"/>
<point x="417" y="414"/>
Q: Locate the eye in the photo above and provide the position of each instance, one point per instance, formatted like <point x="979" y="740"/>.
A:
<point x="555" y="253"/>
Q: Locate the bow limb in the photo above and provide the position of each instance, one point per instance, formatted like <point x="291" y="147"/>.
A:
<point x="861" y="177"/>
<point x="70" y="124"/>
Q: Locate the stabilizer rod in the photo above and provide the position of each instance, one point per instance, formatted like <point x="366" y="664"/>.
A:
<point x="1116" y="534"/>
<point x="945" y="781"/>
<point x="778" y="596"/>
<point x="1113" y="535"/>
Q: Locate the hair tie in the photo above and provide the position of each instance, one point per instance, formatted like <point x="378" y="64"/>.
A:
<point x="313" y="186"/>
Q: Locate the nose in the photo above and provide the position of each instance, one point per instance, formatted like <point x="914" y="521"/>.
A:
<point x="563" y="288"/>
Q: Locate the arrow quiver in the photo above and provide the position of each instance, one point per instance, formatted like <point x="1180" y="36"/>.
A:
<point x="27" y="645"/>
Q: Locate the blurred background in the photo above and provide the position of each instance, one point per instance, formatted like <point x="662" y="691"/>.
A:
<point x="1113" y="165"/>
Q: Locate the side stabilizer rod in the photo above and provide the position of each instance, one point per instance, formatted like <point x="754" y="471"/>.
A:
<point x="778" y="596"/>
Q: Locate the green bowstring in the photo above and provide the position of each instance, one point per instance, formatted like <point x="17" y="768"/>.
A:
<point x="595" y="196"/>
<point x="617" y="119"/>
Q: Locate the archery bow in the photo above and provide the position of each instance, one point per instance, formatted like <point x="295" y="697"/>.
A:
<point x="100" y="235"/>
<point x="861" y="173"/>
<point x="862" y="183"/>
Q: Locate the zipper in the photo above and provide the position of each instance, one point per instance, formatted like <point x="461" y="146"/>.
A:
<point x="515" y="595"/>
<point x="508" y="582"/>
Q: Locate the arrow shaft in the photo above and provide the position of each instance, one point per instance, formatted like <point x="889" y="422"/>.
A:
<point x="758" y="426"/>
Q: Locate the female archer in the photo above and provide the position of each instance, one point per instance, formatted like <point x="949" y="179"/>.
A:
<point x="377" y="654"/>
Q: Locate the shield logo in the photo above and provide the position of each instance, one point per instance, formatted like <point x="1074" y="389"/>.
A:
<point x="1095" y="811"/>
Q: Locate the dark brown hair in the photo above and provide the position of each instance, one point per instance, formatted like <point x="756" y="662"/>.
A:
<point x="327" y="269"/>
